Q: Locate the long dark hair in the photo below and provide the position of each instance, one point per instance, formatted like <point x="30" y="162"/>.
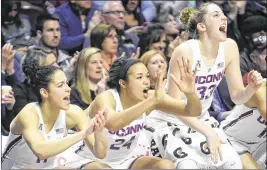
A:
<point x="137" y="15"/>
<point x="6" y="8"/>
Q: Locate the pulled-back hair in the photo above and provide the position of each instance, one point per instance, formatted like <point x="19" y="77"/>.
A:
<point x="119" y="70"/>
<point x="37" y="55"/>
<point x="191" y="17"/>
<point x="40" y="77"/>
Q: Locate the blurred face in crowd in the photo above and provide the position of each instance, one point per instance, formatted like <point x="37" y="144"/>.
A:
<point x="171" y="27"/>
<point x="132" y="5"/>
<point x="51" y="34"/>
<point x="110" y="43"/>
<point x="84" y="3"/>
<point x="94" y="68"/>
<point x="261" y="62"/>
<point x="259" y="39"/>
<point x="115" y="15"/>
<point x="161" y="45"/>
<point x="14" y="12"/>
<point x="156" y="64"/>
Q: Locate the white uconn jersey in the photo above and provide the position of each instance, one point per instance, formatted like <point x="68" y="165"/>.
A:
<point x="122" y="142"/>
<point x="17" y="153"/>
<point x="245" y="124"/>
<point x="207" y="79"/>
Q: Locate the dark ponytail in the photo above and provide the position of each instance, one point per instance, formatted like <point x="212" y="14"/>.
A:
<point x="119" y="70"/>
<point x="40" y="77"/>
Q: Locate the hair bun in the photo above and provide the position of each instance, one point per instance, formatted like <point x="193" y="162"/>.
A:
<point x="186" y="14"/>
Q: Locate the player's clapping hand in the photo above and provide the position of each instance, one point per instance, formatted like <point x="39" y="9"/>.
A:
<point x="100" y="120"/>
<point x="255" y="80"/>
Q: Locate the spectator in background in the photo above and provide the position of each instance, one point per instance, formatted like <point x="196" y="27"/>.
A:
<point x="173" y="28"/>
<point x="254" y="57"/>
<point x="16" y="29"/>
<point x="153" y="37"/>
<point x="49" y="35"/>
<point x="175" y="6"/>
<point x="133" y="17"/>
<point x="155" y="61"/>
<point x="89" y="79"/>
<point x="114" y="13"/>
<point x="23" y="91"/>
<point x="77" y="18"/>
<point x="147" y="8"/>
<point x="10" y="75"/>
<point x="105" y="38"/>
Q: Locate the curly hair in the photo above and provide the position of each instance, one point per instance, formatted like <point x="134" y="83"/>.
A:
<point x="40" y="77"/>
<point x="35" y="55"/>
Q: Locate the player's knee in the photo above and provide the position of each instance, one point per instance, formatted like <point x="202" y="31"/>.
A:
<point x="165" y="164"/>
<point x="187" y="164"/>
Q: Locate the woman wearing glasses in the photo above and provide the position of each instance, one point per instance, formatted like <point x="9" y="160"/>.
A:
<point x="105" y="38"/>
<point x="15" y="27"/>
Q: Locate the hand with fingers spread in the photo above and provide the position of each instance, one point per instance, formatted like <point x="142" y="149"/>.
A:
<point x="186" y="82"/>
<point x="73" y="61"/>
<point x="8" y="58"/>
<point x="95" y="20"/>
<point x="159" y="87"/>
<point x="255" y="80"/>
<point x="214" y="144"/>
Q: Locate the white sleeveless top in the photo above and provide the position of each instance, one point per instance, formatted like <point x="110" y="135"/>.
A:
<point x="122" y="142"/>
<point x="245" y="124"/>
<point x="17" y="153"/>
<point x="207" y="79"/>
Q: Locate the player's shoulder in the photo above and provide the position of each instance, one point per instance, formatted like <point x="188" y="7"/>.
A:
<point x="185" y="46"/>
<point x="27" y="117"/>
<point x="184" y="49"/>
<point x="28" y="113"/>
<point x="230" y="42"/>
